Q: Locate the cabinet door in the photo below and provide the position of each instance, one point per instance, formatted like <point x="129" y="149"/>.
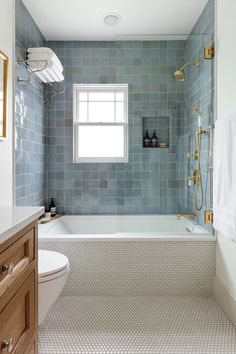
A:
<point x="17" y="319"/>
<point x="15" y="259"/>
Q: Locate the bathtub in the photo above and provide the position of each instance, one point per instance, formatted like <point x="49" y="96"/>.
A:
<point x="133" y="255"/>
<point x="123" y="227"/>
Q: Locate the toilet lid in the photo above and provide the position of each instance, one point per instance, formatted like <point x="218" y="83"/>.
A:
<point x="51" y="262"/>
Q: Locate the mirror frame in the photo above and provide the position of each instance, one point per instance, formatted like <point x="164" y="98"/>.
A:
<point x="4" y="57"/>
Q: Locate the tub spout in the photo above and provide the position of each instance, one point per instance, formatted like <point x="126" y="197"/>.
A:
<point x="187" y="215"/>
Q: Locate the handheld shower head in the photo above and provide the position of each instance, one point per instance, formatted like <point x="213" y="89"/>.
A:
<point x="179" y="75"/>
<point x="197" y="111"/>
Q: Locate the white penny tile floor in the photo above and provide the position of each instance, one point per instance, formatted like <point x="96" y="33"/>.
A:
<point x="136" y="325"/>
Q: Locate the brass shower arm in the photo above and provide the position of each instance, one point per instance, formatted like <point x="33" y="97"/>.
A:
<point x="196" y="63"/>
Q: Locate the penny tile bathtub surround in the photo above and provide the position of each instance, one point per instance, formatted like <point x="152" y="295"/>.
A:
<point x="137" y="268"/>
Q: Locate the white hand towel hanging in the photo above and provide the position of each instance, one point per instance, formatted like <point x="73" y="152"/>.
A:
<point x="225" y="177"/>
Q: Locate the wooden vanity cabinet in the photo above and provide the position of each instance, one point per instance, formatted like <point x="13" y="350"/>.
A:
<point x="19" y="292"/>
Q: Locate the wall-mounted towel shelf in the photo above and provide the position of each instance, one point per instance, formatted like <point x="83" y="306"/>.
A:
<point x="33" y="73"/>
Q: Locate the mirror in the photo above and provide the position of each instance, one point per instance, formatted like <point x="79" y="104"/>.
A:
<point x="3" y="95"/>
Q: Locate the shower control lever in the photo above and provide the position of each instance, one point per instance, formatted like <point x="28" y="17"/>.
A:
<point x="193" y="178"/>
<point x="193" y="155"/>
<point x="201" y="131"/>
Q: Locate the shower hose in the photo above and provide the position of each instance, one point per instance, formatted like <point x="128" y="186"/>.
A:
<point x="198" y="203"/>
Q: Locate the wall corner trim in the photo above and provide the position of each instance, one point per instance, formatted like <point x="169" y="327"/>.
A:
<point x="225" y="299"/>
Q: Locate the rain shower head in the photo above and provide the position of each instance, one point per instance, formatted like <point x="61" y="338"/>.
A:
<point x="179" y="75"/>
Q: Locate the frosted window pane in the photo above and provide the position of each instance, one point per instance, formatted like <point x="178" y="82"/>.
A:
<point x="101" y="96"/>
<point x="83" y="96"/>
<point x="120" y="112"/>
<point x="101" y="112"/>
<point x="101" y="141"/>
<point x="83" y="111"/>
<point x="119" y="96"/>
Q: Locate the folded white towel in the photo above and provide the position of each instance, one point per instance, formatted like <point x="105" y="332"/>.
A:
<point x="42" y="64"/>
<point x="46" y="73"/>
<point x="51" y="59"/>
<point x="45" y="63"/>
<point x="48" y="76"/>
<point x="44" y="53"/>
<point x="44" y="77"/>
<point x="55" y="74"/>
<point x="40" y="49"/>
<point x="224" y="190"/>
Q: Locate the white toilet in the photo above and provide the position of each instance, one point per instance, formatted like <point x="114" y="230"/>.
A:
<point x="52" y="275"/>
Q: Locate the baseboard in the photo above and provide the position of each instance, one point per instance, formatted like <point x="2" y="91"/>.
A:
<point x="225" y="300"/>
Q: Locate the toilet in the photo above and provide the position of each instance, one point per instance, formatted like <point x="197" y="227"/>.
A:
<point x="53" y="272"/>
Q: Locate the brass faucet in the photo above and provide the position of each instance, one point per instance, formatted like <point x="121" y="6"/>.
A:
<point x="187" y="215"/>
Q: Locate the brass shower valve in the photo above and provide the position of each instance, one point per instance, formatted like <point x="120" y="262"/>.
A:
<point x="192" y="178"/>
<point x="201" y="131"/>
<point x="193" y="155"/>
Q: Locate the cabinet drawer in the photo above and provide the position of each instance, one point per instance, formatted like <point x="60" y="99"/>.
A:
<point x="17" y="319"/>
<point x="15" y="259"/>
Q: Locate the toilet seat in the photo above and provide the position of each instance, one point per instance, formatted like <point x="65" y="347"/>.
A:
<point x="51" y="265"/>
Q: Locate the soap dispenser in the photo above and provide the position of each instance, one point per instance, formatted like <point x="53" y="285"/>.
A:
<point x="52" y="208"/>
<point x="154" y="141"/>
<point x="147" y="140"/>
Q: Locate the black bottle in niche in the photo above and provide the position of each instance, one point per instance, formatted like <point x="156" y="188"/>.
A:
<point x="154" y="141"/>
<point x="147" y="140"/>
<point x="52" y="208"/>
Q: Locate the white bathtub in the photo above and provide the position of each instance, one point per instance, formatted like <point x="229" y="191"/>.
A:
<point x="132" y="255"/>
<point x="123" y="227"/>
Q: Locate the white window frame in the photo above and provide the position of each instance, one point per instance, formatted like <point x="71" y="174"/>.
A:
<point x="99" y="88"/>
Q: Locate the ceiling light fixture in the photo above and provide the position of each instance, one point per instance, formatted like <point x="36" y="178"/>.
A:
<point x="111" y="19"/>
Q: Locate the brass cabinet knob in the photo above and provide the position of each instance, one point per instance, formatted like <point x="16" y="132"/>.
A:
<point x="7" y="268"/>
<point x="7" y="345"/>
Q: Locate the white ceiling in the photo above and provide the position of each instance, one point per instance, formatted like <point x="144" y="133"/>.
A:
<point x="82" y="19"/>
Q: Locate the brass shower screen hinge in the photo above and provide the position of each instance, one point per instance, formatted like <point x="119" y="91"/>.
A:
<point x="208" y="216"/>
<point x="209" y="52"/>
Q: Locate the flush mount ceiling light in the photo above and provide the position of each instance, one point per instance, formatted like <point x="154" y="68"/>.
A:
<point x="111" y="19"/>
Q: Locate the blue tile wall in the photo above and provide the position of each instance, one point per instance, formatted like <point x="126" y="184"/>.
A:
<point x="148" y="183"/>
<point x="31" y="118"/>
<point x="199" y="87"/>
<point x="154" y="180"/>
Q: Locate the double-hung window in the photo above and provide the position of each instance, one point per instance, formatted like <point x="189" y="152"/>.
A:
<point x="100" y="123"/>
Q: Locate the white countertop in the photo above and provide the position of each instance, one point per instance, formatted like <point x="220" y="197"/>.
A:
<point x="14" y="219"/>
